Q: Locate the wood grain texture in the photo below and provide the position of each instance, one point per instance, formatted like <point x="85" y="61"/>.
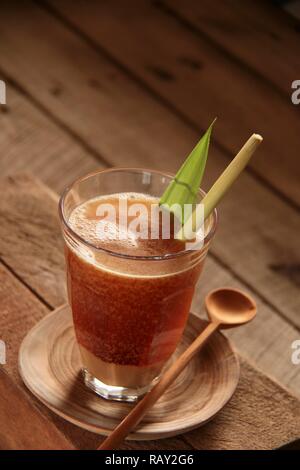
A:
<point x="259" y="403"/>
<point x="127" y="133"/>
<point x="29" y="246"/>
<point x="23" y="426"/>
<point x="30" y="140"/>
<point x="86" y="93"/>
<point x="50" y="366"/>
<point x="268" y="340"/>
<point x="20" y="311"/>
<point x="198" y="80"/>
<point x="256" y="32"/>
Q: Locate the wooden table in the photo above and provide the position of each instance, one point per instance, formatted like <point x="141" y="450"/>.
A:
<point x="96" y="84"/>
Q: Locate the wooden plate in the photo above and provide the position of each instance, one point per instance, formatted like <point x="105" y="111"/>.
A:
<point x="49" y="364"/>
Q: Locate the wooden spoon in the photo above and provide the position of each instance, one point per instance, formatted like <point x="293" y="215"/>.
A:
<point x="226" y="308"/>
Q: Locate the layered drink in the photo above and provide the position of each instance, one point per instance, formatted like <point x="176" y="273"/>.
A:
<point x="130" y="294"/>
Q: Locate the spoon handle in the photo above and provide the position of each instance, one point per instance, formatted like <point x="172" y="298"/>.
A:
<point x="137" y="413"/>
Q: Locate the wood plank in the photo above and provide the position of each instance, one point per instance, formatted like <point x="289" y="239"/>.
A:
<point x="256" y="32"/>
<point x="83" y="90"/>
<point x="198" y="80"/>
<point x="269" y="337"/>
<point x="30" y="140"/>
<point x="174" y="443"/>
<point x="267" y="341"/>
<point x="140" y="131"/>
<point x="23" y="426"/>
<point x="20" y="310"/>
<point x="29" y="245"/>
<point x="257" y="417"/>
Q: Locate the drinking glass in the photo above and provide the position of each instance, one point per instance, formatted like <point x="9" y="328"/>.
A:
<point x="129" y="312"/>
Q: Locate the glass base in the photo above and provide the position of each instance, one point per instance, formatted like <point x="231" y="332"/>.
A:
<point x="111" y="392"/>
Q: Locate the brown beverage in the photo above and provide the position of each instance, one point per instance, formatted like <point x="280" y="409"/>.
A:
<point x="129" y="310"/>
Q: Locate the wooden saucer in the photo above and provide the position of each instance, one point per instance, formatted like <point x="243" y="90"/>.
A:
<point x="49" y="364"/>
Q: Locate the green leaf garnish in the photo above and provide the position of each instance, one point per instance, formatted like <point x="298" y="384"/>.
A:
<point x="184" y="187"/>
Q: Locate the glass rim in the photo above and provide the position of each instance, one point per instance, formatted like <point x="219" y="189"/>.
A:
<point x="167" y="256"/>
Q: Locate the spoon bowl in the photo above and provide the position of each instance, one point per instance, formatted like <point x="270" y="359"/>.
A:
<point x="230" y="307"/>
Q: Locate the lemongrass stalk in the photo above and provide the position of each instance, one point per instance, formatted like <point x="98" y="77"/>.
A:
<point x="220" y="187"/>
